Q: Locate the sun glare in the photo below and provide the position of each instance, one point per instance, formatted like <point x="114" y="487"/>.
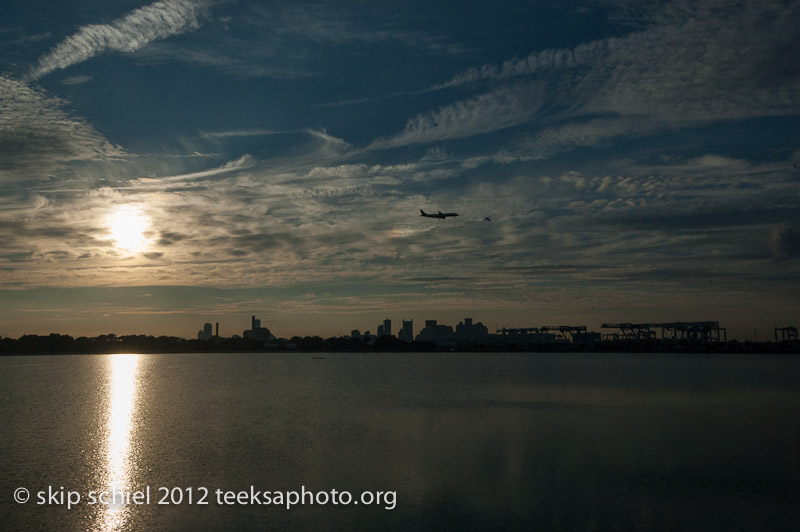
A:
<point x="120" y="464"/>
<point x="127" y="226"/>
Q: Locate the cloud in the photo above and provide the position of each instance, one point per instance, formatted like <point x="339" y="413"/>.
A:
<point x="576" y="134"/>
<point x="711" y="60"/>
<point x="169" y="238"/>
<point x="322" y="24"/>
<point x="292" y="40"/>
<point x="233" y="57"/>
<point x="670" y="73"/>
<point x="38" y="137"/>
<point x="239" y="133"/>
<point x="76" y="80"/>
<point x="127" y="34"/>
<point x="242" y="163"/>
<point x="492" y="111"/>
<point x="692" y="61"/>
<point x="543" y="61"/>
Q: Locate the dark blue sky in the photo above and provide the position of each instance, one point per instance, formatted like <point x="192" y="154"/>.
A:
<point x="177" y="162"/>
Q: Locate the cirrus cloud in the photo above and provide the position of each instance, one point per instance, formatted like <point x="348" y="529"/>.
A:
<point x="38" y="137"/>
<point x="127" y="34"/>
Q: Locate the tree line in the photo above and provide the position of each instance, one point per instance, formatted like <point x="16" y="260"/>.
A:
<point x="32" y="344"/>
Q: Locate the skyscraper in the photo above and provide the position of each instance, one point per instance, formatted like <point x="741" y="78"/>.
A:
<point x="407" y="332"/>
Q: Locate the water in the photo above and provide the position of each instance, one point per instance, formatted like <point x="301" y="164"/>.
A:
<point x="465" y="441"/>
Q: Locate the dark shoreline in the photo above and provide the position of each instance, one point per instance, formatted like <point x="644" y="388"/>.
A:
<point x="111" y="344"/>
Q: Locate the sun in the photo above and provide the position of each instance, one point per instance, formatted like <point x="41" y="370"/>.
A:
<point x="128" y="226"/>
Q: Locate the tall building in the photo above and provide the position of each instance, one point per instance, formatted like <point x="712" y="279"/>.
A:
<point x="206" y="333"/>
<point x="387" y="327"/>
<point x="407" y="332"/>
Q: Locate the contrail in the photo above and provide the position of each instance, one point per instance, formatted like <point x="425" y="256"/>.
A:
<point x="139" y="27"/>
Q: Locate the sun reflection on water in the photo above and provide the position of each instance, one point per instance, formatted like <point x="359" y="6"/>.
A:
<point x="121" y="404"/>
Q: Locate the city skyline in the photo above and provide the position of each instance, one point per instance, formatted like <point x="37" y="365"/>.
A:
<point x="409" y="332"/>
<point x="748" y="327"/>
<point x="468" y="329"/>
<point x="168" y="163"/>
<point x="467" y="335"/>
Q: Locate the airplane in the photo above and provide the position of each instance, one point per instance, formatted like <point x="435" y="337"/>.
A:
<point x="439" y="216"/>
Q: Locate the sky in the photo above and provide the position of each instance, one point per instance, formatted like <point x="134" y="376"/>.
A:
<point x="168" y="164"/>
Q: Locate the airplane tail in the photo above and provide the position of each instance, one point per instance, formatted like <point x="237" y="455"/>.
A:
<point x="422" y="213"/>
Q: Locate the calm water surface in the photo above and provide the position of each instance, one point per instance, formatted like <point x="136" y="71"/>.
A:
<point x="467" y="441"/>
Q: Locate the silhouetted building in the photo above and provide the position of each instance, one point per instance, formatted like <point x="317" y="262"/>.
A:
<point x="355" y="333"/>
<point x="433" y="332"/>
<point x="465" y="332"/>
<point x="387" y="327"/>
<point x="206" y="333"/>
<point x="407" y="332"/>
<point x="468" y="331"/>
<point x="257" y="332"/>
<point x="380" y="331"/>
